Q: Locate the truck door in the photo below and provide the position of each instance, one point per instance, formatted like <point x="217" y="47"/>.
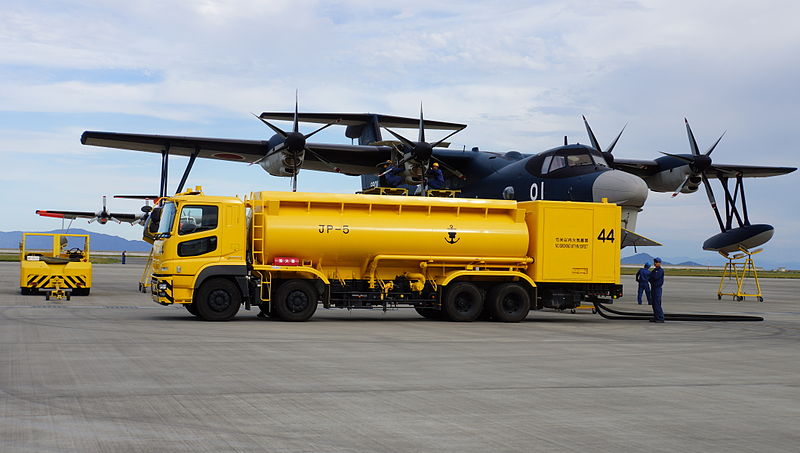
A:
<point x="198" y="236"/>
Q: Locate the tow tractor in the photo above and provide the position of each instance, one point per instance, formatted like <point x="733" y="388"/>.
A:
<point x="56" y="264"/>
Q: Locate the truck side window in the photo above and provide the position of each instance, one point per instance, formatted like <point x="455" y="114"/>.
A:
<point x="198" y="246"/>
<point x="194" y="219"/>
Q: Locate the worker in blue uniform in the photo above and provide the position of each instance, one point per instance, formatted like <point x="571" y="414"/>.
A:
<point x="656" y="284"/>
<point x="643" y="278"/>
<point x="435" y="177"/>
<point x="391" y="175"/>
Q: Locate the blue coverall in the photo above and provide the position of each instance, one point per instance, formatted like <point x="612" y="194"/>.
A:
<point x="656" y="283"/>
<point x="435" y="178"/>
<point x="643" y="277"/>
<point x="392" y="176"/>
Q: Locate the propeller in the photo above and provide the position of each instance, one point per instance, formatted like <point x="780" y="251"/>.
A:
<point x="699" y="164"/>
<point x="596" y="145"/>
<point x="422" y="151"/>
<point x="294" y="143"/>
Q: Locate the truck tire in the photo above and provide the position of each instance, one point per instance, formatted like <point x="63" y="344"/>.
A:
<point x="295" y="300"/>
<point x="429" y="313"/>
<point x="191" y="308"/>
<point x="508" y="302"/>
<point x="81" y="291"/>
<point x="463" y="302"/>
<point x="217" y="300"/>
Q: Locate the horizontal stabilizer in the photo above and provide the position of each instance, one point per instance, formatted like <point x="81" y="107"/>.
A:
<point x="631" y="239"/>
<point x="358" y="119"/>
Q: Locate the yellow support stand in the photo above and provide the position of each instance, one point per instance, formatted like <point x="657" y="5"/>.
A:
<point x="739" y="268"/>
<point x="385" y="191"/>
<point x="446" y="193"/>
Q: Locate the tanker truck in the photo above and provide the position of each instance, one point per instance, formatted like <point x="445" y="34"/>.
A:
<point x="448" y="258"/>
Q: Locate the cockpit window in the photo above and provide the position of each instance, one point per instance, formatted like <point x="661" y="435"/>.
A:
<point x="556" y="163"/>
<point x="599" y="160"/>
<point x="579" y="160"/>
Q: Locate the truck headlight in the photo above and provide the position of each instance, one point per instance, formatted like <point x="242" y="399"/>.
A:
<point x="162" y="286"/>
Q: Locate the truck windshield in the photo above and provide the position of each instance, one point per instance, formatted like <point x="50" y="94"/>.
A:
<point x="167" y="218"/>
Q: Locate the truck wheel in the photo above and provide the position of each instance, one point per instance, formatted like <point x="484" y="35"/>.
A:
<point x="24" y="291"/>
<point x="429" y="313"/>
<point x="509" y="302"/>
<point x="217" y="300"/>
<point x="191" y="308"/>
<point x="463" y="302"/>
<point x="295" y="300"/>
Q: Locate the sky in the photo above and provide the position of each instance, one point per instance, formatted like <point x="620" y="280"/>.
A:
<point x="519" y="73"/>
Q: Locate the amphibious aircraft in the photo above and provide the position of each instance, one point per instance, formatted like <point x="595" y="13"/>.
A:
<point x="103" y="216"/>
<point x="572" y="172"/>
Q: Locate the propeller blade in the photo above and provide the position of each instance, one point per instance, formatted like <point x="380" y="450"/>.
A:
<point x="452" y="170"/>
<point x="715" y="144"/>
<point x="692" y="141"/>
<point x="323" y="127"/>
<point x="614" y="143"/>
<point x="712" y="200"/>
<point x="442" y="140"/>
<point x="680" y="188"/>
<point x="677" y="156"/>
<point x="421" y="125"/>
<point x="274" y="150"/>
<point x="405" y="141"/>
<point x="271" y="126"/>
<point x="296" y="126"/>
<point x="592" y="138"/>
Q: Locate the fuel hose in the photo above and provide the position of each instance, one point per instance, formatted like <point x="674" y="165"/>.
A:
<point x="609" y="313"/>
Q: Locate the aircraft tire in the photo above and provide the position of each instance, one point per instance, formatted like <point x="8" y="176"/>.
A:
<point x="463" y="302"/>
<point x="296" y="300"/>
<point x="509" y="302"/>
<point x="218" y="300"/>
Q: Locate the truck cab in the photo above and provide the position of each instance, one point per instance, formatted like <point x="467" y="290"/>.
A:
<point x="199" y="238"/>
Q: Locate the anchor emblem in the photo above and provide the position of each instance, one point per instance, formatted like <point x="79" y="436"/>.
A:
<point x="451" y="236"/>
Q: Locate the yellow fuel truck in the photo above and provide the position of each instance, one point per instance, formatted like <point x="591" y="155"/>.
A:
<point x="449" y="258"/>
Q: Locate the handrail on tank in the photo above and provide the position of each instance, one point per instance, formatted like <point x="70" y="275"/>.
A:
<point x="371" y="265"/>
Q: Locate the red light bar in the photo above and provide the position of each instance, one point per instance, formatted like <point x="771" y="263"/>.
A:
<point x="286" y="261"/>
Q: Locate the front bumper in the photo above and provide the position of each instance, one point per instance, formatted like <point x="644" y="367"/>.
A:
<point x="161" y="290"/>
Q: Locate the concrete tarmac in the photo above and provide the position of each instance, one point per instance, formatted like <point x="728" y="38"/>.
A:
<point x="114" y="372"/>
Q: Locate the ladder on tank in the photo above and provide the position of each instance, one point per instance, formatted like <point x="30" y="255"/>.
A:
<point x="739" y="269"/>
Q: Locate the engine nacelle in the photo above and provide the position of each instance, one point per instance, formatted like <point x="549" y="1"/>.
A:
<point x="669" y="180"/>
<point x="283" y="163"/>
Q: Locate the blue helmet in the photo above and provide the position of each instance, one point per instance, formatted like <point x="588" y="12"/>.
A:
<point x="656" y="260"/>
<point x="647" y="264"/>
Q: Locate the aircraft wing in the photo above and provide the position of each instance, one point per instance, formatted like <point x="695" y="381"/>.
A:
<point x="125" y="217"/>
<point x="72" y="215"/>
<point x="631" y="239"/>
<point x="69" y="215"/>
<point x="644" y="168"/>
<point x="349" y="159"/>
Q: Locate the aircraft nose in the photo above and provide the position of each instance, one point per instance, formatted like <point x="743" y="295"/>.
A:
<point x="621" y="188"/>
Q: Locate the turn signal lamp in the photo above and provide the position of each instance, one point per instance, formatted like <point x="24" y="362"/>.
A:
<point x="286" y="261"/>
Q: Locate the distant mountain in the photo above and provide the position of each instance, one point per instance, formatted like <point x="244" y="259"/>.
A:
<point x="97" y="241"/>
<point x="639" y="258"/>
